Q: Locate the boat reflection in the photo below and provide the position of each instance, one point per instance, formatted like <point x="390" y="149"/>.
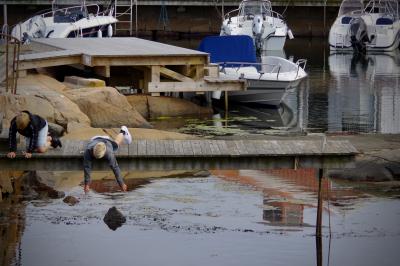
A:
<point x="290" y="116"/>
<point x="288" y="193"/>
<point x="364" y="95"/>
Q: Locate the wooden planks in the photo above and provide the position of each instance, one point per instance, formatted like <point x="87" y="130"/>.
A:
<point x="166" y="148"/>
<point x="118" y="47"/>
<point x="210" y="148"/>
<point x="198" y="154"/>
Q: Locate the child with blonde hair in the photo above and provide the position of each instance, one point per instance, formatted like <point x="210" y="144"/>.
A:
<point x="100" y="147"/>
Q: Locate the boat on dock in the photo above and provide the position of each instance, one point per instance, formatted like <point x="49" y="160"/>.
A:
<point x="267" y="81"/>
<point x="69" y="22"/>
<point x="371" y="27"/>
<point x="256" y="19"/>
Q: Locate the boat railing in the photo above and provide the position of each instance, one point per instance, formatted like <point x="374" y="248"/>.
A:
<point x="65" y="10"/>
<point x="261" y="67"/>
<point x="301" y="63"/>
<point x="239" y="13"/>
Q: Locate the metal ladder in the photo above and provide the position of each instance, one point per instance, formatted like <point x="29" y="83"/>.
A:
<point x="163" y="22"/>
<point x="9" y="57"/>
<point x="124" y="13"/>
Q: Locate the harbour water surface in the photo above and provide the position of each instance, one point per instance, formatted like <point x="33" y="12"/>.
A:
<point x="230" y="218"/>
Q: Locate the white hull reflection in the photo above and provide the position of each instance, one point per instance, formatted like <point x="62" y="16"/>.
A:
<point x="366" y="93"/>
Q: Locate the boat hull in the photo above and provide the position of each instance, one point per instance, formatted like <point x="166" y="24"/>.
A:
<point x="259" y="96"/>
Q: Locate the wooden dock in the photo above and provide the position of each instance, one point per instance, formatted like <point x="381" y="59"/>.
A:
<point x="197" y="154"/>
<point x="163" y="68"/>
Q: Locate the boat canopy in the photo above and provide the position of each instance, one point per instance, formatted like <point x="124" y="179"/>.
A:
<point x="349" y="6"/>
<point x="255" y="7"/>
<point x="232" y="48"/>
<point x="385" y="7"/>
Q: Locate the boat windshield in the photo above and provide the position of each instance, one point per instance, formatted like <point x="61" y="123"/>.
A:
<point x="386" y="7"/>
<point x="70" y="14"/>
<point x="255" y="8"/>
<point x="349" y="6"/>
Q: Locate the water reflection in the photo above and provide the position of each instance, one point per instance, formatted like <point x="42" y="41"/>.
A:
<point x="245" y="216"/>
<point x="365" y="95"/>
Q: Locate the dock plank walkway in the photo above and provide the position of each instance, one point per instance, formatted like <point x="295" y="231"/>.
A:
<point x="197" y="154"/>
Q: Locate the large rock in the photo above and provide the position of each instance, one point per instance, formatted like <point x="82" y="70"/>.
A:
<point x="114" y="218"/>
<point x="106" y="107"/>
<point x="140" y="103"/>
<point x="44" y="96"/>
<point x="153" y="107"/>
<point x="376" y="166"/>
<point x="71" y="200"/>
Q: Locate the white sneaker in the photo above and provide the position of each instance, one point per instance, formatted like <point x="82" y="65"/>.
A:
<point x="127" y="135"/>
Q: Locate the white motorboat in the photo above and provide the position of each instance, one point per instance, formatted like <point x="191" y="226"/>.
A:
<point x="267" y="81"/>
<point x="70" y="22"/>
<point x="256" y="19"/>
<point x="373" y="27"/>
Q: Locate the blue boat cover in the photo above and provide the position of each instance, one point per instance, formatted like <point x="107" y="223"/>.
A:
<point x="233" y="48"/>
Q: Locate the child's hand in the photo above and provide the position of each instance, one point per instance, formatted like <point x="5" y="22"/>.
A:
<point x="27" y="155"/>
<point x="11" y="155"/>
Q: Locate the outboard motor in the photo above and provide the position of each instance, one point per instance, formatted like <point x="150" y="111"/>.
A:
<point x="258" y="29"/>
<point x="358" y="35"/>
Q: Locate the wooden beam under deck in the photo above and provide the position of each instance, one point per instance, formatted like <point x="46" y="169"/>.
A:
<point x="214" y="84"/>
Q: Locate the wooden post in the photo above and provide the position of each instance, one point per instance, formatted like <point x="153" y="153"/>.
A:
<point x="226" y="102"/>
<point x="320" y="202"/>
<point x="318" y="245"/>
<point x="318" y="233"/>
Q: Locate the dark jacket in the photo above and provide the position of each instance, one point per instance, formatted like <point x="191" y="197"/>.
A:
<point x="31" y="131"/>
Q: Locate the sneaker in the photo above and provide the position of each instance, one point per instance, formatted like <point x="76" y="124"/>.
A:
<point x="55" y="142"/>
<point x="127" y="136"/>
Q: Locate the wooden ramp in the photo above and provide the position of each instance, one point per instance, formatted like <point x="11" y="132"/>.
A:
<point x="197" y="154"/>
<point x="165" y="68"/>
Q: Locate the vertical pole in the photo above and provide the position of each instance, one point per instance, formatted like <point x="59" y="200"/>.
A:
<point x="5" y="15"/>
<point x="319" y="208"/>
<point x="324" y="18"/>
<point x="130" y="19"/>
<point x="136" y="18"/>
<point x="318" y="244"/>
<point x="226" y="102"/>
<point x="7" y="38"/>
<point x="318" y="235"/>
<point x="223" y="10"/>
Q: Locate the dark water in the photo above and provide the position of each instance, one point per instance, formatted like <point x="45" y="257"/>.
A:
<point x="342" y="93"/>
<point x="230" y="218"/>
